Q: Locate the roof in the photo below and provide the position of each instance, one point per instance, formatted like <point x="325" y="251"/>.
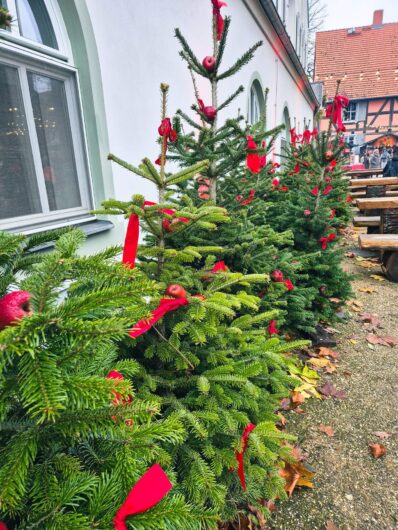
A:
<point x="364" y="58"/>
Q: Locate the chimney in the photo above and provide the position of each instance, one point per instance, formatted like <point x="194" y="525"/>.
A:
<point x="378" y="18"/>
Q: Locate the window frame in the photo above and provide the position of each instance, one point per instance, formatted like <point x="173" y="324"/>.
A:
<point x="349" y="111"/>
<point x="25" y="55"/>
<point x="255" y="88"/>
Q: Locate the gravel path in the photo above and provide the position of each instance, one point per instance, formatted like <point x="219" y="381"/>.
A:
<point x="353" y="490"/>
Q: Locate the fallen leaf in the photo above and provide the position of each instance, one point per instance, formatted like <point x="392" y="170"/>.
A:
<point x="335" y="300"/>
<point x="329" y="390"/>
<point x="331" y="330"/>
<point x="259" y="516"/>
<point x="330" y="526"/>
<point x="327" y="429"/>
<point x="327" y="352"/>
<point x="378" y="278"/>
<point x="347" y="373"/>
<point x="296" y="399"/>
<point x="320" y="363"/>
<point x="377" y="450"/>
<point x="296" y="475"/>
<point x="285" y="404"/>
<point x="282" y="421"/>
<point x="330" y="369"/>
<point x="381" y="434"/>
<point x="368" y="290"/>
<point x="350" y="255"/>
<point x="385" y="340"/>
<point x="370" y="318"/>
<point x="366" y="264"/>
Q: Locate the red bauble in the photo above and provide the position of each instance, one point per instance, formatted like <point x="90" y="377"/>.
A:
<point x="277" y="276"/>
<point x="329" y="155"/>
<point x="13" y="307"/>
<point x="176" y="291"/>
<point x="210" y="113"/>
<point x="3" y="526"/>
<point x="276" y="182"/>
<point x="209" y="63"/>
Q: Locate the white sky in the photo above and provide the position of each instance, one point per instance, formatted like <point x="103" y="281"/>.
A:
<point x="350" y="13"/>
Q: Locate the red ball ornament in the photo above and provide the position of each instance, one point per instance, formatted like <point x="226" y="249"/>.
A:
<point x="277" y="276"/>
<point x="276" y="182"/>
<point x="3" y="526"/>
<point x="209" y="63"/>
<point x="210" y="113"/>
<point x="329" y="155"/>
<point x="176" y="291"/>
<point x="13" y="307"/>
<point x="307" y="212"/>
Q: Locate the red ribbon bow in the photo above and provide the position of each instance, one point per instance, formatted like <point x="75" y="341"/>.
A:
<point x="253" y="161"/>
<point x="327" y="190"/>
<point x="326" y="240"/>
<point x="165" y="305"/>
<point x="307" y="136"/>
<point x="334" y="111"/>
<point x="219" y="266"/>
<point x="240" y="454"/>
<point x="168" y="133"/>
<point x="217" y="5"/>
<point x="293" y="136"/>
<point x="272" y="329"/>
<point x="315" y="191"/>
<point x="150" y="489"/>
<point x="248" y="200"/>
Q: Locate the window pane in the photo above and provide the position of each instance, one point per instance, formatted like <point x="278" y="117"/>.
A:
<point x="18" y="189"/>
<point x="35" y="23"/>
<point x="51" y="117"/>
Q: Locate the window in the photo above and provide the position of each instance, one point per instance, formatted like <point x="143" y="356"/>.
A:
<point x="350" y="113"/>
<point x="43" y="169"/>
<point x="285" y="133"/>
<point x="256" y="103"/>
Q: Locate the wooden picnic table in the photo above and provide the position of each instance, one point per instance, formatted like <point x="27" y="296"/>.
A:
<point x="363" y="173"/>
<point x="377" y="203"/>
<point x="381" y="181"/>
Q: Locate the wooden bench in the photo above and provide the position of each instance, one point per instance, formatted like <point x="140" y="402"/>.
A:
<point x="364" y="173"/>
<point x="383" y="181"/>
<point x="387" y="241"/>
<point x="367" y="220"/>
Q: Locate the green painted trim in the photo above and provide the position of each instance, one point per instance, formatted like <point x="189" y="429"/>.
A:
<point x="86" y="60"/>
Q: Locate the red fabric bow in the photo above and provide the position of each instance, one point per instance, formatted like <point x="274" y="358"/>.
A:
<point x="315" y="191"/>
<point x="166" y="130"/>
<point x="334" y="111"/>
<point x="217" y="5"/>
<point x="297" y="168"/>
<point x="150" y="489"/>
<point x="253" y="161"/>
<point x="293" y="136"/>
<point x="307" y="136"/>
<point x="249" y="199"/>
<point x="165" y="305"/>
<point x="327" y="190"/>
<point x="240" y="454"/>
<point x="326" y="240"/>
<point x="219" y="266"/>
<point x="332" y="214"/>
<point x="315" y="133"/>
<point x="349" y="199"/>
<point x="272" y="329"/>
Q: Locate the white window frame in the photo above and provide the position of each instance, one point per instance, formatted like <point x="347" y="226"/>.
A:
<point x="26" y="55"/>
<point x="350" y="105"/>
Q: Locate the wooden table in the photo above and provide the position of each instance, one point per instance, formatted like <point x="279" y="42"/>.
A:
<point x="378" y="203"/>
<point x="380" y="181"/>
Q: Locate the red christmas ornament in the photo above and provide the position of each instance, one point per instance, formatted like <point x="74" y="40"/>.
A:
<point x="315" y="191"/>
<point x="349" y="199"/>
<point x="297" y="168"/>
<point x="176" y="291"/>
<point x="329" y="155"/>
<point x="327" y="190"/>
<point x="146" y="493"/>
<point x="276" y="182"/>
<point x="277" y="276"/>
<point x="272" y="329"/>
<point x="209" y="63"/>
<point x="328" y="179"/>
<point x="210" y="112"/>
<point x="219" y="266"/>
<point x="3" y="526"/>
<point x="289" y="285"/>
<point x="307" y="212"/>
<point x="240" y="454"/>
<point x="13" y="307"/>
<point x="253" y="161"/>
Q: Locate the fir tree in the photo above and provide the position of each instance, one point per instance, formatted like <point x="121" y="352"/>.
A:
<point x="210" y="362"/>
<point x="74" y="441"/>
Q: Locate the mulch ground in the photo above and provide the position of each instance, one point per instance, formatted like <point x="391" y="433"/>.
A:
<point x="353" y="490"/>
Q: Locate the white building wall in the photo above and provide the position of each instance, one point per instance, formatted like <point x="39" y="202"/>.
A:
<point x="137" y="51"/>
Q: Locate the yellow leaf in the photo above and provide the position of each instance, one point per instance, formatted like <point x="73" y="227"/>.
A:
<point x="368" y="290"/>
<point x="308" y="373"/>
<point x="305" y="482"/>
<point x="353" y="341"/>
<point x="377" y="277"/>
<point x="320" y="363"/>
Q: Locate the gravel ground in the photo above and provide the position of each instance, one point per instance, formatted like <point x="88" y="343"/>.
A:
<point x="352" y="489"/>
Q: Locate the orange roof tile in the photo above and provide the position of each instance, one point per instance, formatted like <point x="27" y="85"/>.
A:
<point x="366" y="61"/>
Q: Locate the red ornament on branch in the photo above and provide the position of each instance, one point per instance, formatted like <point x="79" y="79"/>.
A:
<point x="176" y="291"/>
<point x="327" y="190"/>
<point x="3" y="526"/>
<point x="240" y="454"/>
<point x="277" y="276"/>
<point x="272" y="329"/>
<point x="209" y="112"/>
<point x="13" y="307"/>
<point x="219" y="266"/>
<point x="209" y="63"/>
<point x="166" y="130"/>
<point x="315" y="191"/>
<point x="150" y="489"/>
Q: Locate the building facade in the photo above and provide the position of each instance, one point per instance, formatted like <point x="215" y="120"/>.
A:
<point x="80" y="79"/>
<point x="365" y="59"/>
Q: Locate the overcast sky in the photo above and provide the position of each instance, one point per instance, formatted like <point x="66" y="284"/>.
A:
<point x="349" y="13"/>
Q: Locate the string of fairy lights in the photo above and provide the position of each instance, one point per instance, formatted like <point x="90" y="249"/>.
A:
<point x="17" y="123"/>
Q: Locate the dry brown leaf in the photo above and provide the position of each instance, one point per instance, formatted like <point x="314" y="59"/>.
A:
<point x="327" y="429"/>
<point x="327" y="352"/>
<point x="330" y="526"/>
<point x="330" y="369"/>
<point x="381" y="434"/>
<point x="377" y="450"/>
<point x="368" y="290"/>
<point x="370" y="318"/>
<point x="367" y="264"/>
<point x="296" y="399"/>
<point x="296" y="475"/>
<point x="385" y="340"/>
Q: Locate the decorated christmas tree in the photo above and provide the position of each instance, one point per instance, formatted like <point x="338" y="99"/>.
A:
<point x="205" y="352"/>
<point x="74" y="438"/>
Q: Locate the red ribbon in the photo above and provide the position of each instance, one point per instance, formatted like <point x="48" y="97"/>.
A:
<point x="293" y="136"/>
<point x="217" y="5"/>
<point x="289" y="285"/>
<point x="332" y="214"/>
<point x="272" y="329"/>
<point x="240" y="454"/>
<point x="326" y="240"/>
<point x="297" y="168"/>
<point x="327" y="190"/>
<point x="165" y="305"/>
<point x="248" y="200"/>
<point x="150" y="489"/>
<point x="253" y="161"/>
<point x="334" y="111"/>
<point x="315" y="191"/>
<point x="219" y="266"/>
<point x="168" y="133"/>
